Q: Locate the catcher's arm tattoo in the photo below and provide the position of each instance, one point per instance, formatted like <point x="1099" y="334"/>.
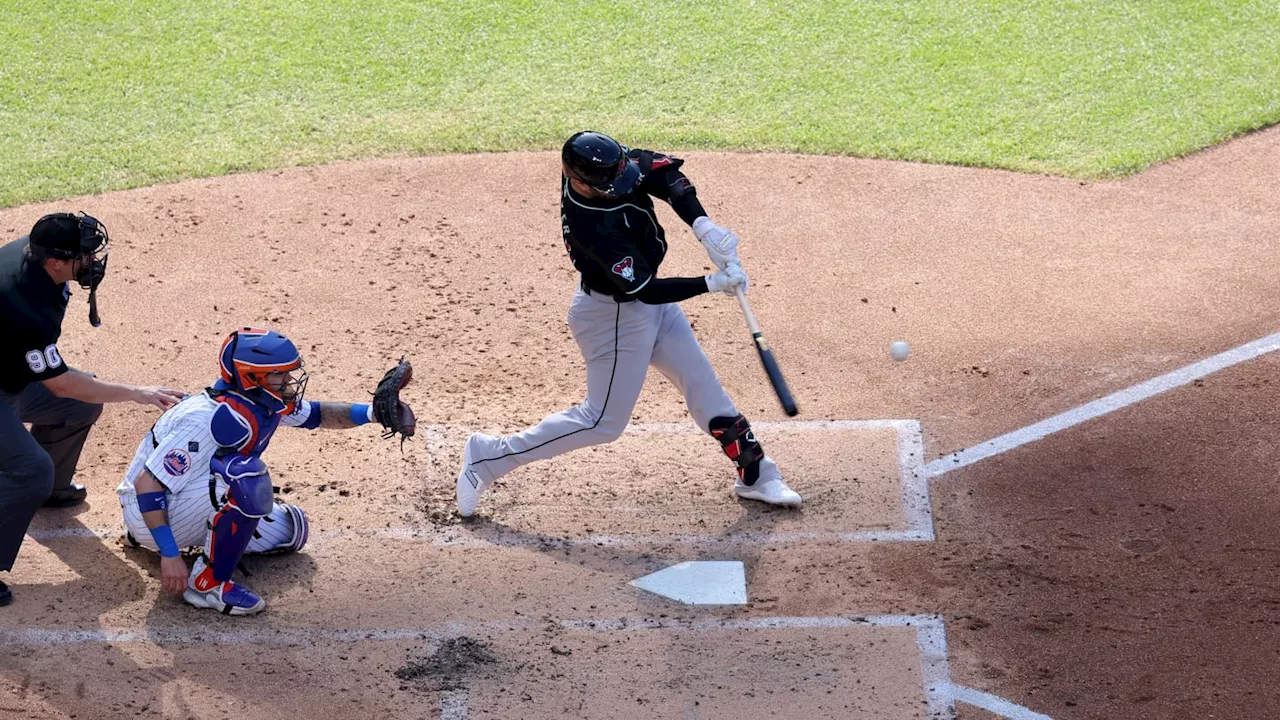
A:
<point x="336" y="415"/>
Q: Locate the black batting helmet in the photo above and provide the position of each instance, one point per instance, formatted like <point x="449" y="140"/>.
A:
<point x="601" y="162"/>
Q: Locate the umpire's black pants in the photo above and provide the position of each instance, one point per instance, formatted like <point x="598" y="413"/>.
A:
<point x="33" y="463"/>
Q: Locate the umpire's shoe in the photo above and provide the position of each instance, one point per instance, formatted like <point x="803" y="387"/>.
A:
<point x="472" y="482"/>
<point x="67" y="496"/>
<point x="6" y="597"/>
<point x="227" y="598"/>
<point x="768" y="487"/>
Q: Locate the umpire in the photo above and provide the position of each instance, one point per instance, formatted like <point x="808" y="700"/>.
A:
<point x="36" y="386"/>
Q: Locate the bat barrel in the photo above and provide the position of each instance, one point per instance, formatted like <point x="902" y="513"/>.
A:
<point x="767" y="359"/>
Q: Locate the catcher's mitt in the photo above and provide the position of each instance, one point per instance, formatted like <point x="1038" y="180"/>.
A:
<point x="395" y="416"/>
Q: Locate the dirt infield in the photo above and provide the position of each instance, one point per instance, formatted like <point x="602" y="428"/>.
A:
<point x="1121" y="568"/>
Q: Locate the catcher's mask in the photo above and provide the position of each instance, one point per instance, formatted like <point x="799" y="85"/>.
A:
<point x="600" y="162"/>
<point x="264" y="366"/>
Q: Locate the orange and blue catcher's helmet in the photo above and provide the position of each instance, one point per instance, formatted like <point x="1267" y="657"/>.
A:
<point x="250" y="355"/>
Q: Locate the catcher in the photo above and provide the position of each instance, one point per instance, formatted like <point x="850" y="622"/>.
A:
<point x="198" y="477"/>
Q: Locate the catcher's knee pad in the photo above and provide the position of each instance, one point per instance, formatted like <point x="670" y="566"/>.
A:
<point x="248" y="484"/>
<point x="285" y="530"/>
<point x="739" y="443"/>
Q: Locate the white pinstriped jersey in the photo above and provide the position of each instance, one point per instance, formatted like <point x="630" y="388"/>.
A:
<point x="178" y="448"/>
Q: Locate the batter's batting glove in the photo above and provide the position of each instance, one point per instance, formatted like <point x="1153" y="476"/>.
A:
<point x="728" y="279"/>
<point x="720" y="243"/>
<point x="395" y="416"/>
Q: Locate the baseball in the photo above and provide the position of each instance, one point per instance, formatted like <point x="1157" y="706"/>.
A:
<point x="899" y="350"/>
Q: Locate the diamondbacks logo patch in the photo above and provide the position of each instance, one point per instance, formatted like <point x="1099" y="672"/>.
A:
<point x="626" y="269"/>
<point x="177" y="462"/>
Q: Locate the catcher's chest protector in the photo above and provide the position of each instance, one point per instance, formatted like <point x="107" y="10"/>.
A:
<point x="243" y="426"/>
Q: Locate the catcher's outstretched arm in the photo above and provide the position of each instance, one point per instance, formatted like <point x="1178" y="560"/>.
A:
<point x="340" y="416"/>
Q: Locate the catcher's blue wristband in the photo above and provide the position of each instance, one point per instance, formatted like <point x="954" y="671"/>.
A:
<point x="164" y="540"/>
<point x="361" y="414"/>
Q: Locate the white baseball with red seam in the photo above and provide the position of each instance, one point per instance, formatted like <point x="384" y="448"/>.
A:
<point x="899" y="350"/>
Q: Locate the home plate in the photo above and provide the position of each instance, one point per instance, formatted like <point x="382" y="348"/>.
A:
<point x="699" y="582"/>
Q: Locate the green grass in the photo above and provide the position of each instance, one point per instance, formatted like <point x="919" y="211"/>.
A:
<point x="120" y="93"/>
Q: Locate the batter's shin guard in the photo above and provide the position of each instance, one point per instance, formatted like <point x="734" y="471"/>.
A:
<point x="739" y="443"/>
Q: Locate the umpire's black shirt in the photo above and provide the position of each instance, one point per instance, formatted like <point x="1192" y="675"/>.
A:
<point x="31" y="309"/>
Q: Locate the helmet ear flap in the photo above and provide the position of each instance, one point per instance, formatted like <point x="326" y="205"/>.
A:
<point x="227" y="362"/>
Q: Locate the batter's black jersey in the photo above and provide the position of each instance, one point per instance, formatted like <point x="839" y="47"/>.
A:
<point x="31" y="309"/>
<point x="617" y="243"/>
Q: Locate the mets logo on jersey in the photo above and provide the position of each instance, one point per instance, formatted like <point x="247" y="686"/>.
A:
<point x="626" y="269"/>
<point x="177" y="462"/>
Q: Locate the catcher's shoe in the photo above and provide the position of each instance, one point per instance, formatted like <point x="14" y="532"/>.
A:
<point x="768" y="487"/>
<point x="227" y="598"/>
<point x="471" y="482"/>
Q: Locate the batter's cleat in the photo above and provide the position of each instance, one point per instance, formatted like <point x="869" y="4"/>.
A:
<point x="69" y="496"/>
<point x="6" y="596"/>
<point x="768" y="487"/>
<point x="471" y="484"/>
<point x="227" y="598"/>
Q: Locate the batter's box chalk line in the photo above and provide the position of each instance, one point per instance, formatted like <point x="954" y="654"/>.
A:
<point x="940" y="694"/>
<point x="917" y="509"/>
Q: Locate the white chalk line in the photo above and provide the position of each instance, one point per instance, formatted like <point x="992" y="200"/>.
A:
<point x="1104" y="405"/>
<point x="286" y="637"/>
<point x="453" y="704"/>
<point x="940" y="694"/>
<point x="49" y="637"/>
<point x="993" y="704"/>
<point x="755" y="623"/>
<point x="935" y="667"/>
<point x="468" y="539"/>
<point x="917" y="508"/>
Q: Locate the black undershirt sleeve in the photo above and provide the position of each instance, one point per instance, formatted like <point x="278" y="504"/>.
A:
<point x="661" y="291"/>
<point x="671" y="185"/>
<point x="687" y="206"/>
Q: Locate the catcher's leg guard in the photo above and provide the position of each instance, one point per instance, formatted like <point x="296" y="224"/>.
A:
<point x="739" y="443"/>
<point x="210" y="585"/>
<point x="229" y="536"/>
<point x="248" y="500"/>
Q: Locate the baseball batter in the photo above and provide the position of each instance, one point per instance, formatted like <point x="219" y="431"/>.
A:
<point x="625" y="319"/>
<point x="197" y="477"/>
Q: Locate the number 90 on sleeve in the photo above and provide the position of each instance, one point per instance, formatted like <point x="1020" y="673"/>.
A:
<point x="40" y="361"/>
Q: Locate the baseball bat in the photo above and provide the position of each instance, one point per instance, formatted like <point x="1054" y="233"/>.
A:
<point x="767" y="359"/>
